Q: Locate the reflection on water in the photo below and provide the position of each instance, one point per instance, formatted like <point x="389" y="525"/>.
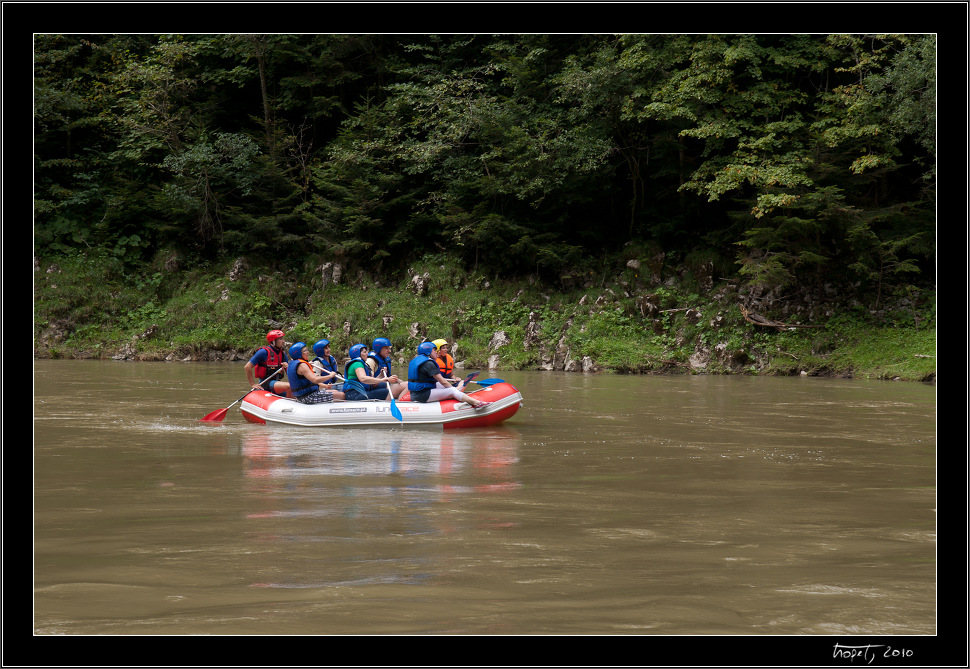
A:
<point x="417" y="452"/>
<point x="608" y="505"/>
<point x="357" y="478"/>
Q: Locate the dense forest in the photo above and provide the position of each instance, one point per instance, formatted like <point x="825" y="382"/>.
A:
<point x="785" y="160"/>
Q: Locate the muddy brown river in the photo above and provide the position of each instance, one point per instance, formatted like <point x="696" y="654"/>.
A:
<point x="609" y="505"/>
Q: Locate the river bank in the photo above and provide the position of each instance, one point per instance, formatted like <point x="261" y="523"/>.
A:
<point x="640" y="316"/>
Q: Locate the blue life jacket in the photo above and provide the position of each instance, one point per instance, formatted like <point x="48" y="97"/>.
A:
<point x="329" y="363"/>
<point x="382" y="363"/>
<point x="352" y="381"/>
<point x="418" y="380"/>
<point x="299" y="385"/>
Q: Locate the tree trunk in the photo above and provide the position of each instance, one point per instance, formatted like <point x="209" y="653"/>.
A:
<point x="259" y="42"/>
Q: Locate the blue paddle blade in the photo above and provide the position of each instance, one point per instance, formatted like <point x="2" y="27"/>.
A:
<point x="395" y="411"/>
<point x="489" y="382"/>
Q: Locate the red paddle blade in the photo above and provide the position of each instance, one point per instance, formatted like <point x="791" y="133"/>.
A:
<point x="215" y="416"/>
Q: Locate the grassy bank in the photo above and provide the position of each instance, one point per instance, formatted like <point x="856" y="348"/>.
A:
<point x="91" y="307"/>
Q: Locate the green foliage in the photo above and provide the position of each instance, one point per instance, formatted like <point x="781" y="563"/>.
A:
<point x="208" y="172"/>
<point x="142" y="316"/>
<point x="60" y="235"/>
<point x="853" y="345"/>
<point x="258" y="311"/>
<point x="811" y="157"/>
<point x="100" y="307"/>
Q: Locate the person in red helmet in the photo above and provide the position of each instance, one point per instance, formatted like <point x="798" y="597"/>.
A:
<point x="267" y="361"/>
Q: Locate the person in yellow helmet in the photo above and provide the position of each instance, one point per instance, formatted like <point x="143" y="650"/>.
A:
<point x="445" y="362"/>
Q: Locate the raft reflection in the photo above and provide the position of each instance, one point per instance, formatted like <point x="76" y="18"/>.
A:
<point x="326" y="502"/>
<point x="290" y="453"/>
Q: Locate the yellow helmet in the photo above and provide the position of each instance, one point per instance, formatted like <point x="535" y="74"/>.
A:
<point x="440" y="342"/>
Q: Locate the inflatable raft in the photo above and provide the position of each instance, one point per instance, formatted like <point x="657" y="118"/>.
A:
<point x="261" y="406"/>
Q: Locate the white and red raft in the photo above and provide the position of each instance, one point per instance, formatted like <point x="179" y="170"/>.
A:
<point x="261" y="406"/>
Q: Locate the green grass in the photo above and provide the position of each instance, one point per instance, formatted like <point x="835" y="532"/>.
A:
<point x="890" y="352"/>
<point x="101" y="308"/>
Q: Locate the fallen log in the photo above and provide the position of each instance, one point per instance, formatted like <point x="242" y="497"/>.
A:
<point x="758" y="319"/>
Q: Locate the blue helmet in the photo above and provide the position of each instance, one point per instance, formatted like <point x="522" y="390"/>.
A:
<point x="378" y="344"/>
<point x="355" y="350"/>
<point x="319" y="346"/>
<point x="296" y="351"/>
<point x="426" y="347"/>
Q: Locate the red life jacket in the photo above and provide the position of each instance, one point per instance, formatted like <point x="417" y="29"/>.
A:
<point x="275" y="358"/>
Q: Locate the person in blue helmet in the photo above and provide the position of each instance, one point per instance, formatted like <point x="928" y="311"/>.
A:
<point x="358" y="383"/>
<point x="324" y="363"/>
<point x="379" y="365"/>
<point x="266" y="362"/>
<point x="428" y="385"/>
<point x="306" y="385"/>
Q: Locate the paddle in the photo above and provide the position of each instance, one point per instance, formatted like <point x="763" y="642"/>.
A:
<point x="466" y="381"/>
<point x="489" y="382"/>
<point x="394" y="410"/>
<point x="217" y="415"/>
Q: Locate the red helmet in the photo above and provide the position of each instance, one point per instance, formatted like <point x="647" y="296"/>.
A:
<point x="273" y="335"/>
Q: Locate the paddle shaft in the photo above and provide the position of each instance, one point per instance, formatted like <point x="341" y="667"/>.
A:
<point x="265" y="380"/>
<point x="221" y="413"/>
<point x="390" y="393"/>
<point x="260" y="385"/>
